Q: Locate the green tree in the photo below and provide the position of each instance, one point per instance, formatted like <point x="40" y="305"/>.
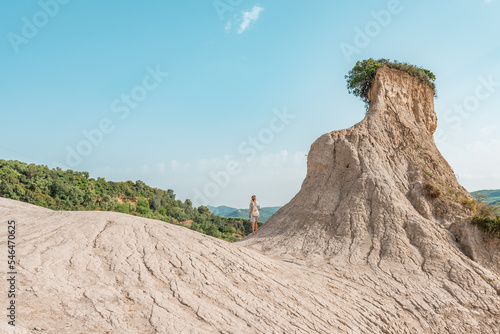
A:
<point x="203" y="210"/>
<point x="154" y="203"/>
<point x="170" y="193"/>
<point x="142" y="206"/>
<point x="213" y="231"/>
<point x="123" y="208"/>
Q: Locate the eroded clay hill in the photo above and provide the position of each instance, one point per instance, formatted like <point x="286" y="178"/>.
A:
<point x="364" y="247"/>
<point x="380" y="194"/>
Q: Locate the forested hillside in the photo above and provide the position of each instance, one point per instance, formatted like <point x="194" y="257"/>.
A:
<point x="59" y="189"/>
<point x="491" y="196"/>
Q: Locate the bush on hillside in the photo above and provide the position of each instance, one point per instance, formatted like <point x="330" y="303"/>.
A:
<point x="470" y="204"/>
<point x="487" y="217"/>
<point x="490" y="225"/>
<point x="432" y="191"/>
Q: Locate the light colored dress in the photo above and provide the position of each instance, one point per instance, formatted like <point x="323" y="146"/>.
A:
<point x="250" y="210"/>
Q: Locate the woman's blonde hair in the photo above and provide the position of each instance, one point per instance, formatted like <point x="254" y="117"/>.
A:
<point x="253" y="197"/>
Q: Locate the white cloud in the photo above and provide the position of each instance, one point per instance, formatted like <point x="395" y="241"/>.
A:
<point x="249" y="17"/>
<point x="243" y="20"/>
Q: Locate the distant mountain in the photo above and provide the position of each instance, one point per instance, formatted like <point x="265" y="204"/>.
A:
<point x="492" y="195"/>
<point x="226" y="211"/>
<point x="221" y="210"/>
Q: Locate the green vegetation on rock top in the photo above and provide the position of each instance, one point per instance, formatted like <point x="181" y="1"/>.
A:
<point x="361" y="76"/>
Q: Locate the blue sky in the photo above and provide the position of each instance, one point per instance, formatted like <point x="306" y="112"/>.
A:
<point x="220" y="100"/>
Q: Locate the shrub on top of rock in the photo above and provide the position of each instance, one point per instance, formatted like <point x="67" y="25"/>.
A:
<point x="361" y="76"/>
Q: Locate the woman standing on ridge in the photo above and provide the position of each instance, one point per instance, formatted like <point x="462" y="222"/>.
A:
<point x="253" y="213"/>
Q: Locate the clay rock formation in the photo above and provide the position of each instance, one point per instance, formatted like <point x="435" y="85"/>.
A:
<point x="369" y="245"/>
<point x="380" y="194"/>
